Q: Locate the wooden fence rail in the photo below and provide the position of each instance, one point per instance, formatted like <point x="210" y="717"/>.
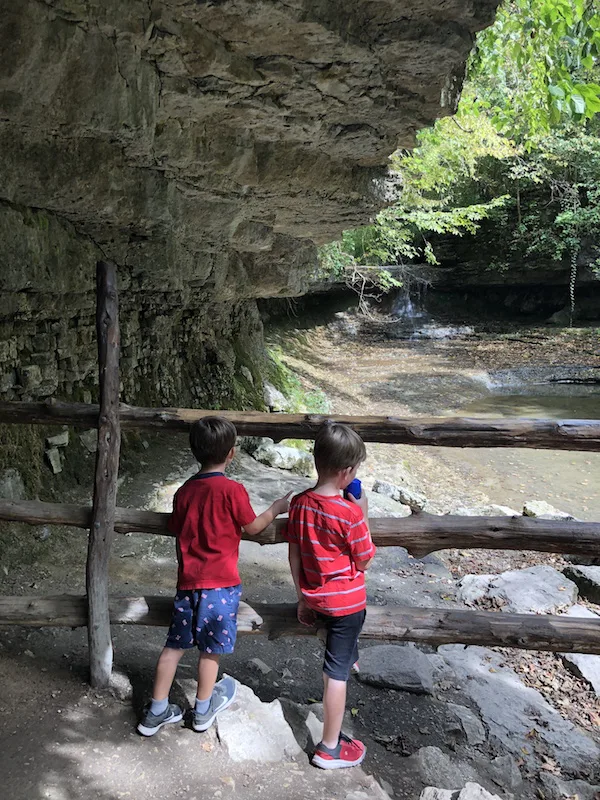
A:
<point x="420" y="533"/>
<point x="566" y="434"/>
<point x="435" y="626"/>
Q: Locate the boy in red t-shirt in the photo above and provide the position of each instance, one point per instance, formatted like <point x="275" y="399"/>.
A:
<point x="330" y="548"/>
<point x="209" y="513"/>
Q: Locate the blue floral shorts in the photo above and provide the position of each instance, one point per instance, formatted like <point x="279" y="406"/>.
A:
<point x="206" y="619"/>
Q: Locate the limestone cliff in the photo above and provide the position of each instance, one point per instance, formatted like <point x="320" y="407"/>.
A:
<point x="205" y="147"/>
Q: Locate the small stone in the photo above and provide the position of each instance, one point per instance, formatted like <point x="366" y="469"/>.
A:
<point x="258" y="665"/>
<point x="543" y="510"/>
<point x="58" y="440"/>
<point x="274" y="399"/>
<point x="28" y="653"/>
<point x="11" y="485"/>
<point x="89" y="439"/>
<point x="247" y="375"/>
<point x="120" y="685"/>
<point x="54" y="460"/>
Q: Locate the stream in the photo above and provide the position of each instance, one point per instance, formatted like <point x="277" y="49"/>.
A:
<point x="483" y="369"/>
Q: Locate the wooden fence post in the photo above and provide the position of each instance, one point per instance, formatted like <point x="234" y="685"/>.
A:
<point x="107" y="467"/>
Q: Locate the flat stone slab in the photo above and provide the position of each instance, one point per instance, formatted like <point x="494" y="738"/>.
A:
<point x="587" y="580"/>
<point x="256" y="731"/>
<point x="391" y="666"/>
<point x="436" y="766"/>
<point x="283" y="457"/>
<point x="401" y="494"/>
<point x="472" y="791"/>
<point x="469" y="722"/>
<point x="510" y="710"/>
<point x="558" y="788"/>
<point x="535" y="590"/>
<point x="543" y="510"/>
<point x="584" y="665"/>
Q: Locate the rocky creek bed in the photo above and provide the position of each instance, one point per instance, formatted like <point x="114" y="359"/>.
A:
<point x="519" y="724"/>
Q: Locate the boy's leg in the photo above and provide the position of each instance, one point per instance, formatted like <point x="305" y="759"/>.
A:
<point x="180" y="638"/>
<point x="215" y="632"/>
<point x="208" y="669"/>
<point x="165" y="672"/>
<point x="334" y="705"/>
<point x="336" y="750"/>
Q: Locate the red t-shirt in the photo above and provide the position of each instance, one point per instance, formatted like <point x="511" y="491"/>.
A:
<point x="209" y="512"/>
<point x="332" y="535"/>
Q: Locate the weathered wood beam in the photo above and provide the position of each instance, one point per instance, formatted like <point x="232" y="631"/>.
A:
<point x="433" y="626"/>
<point x="107" y="469"/>
<point x="420" y="533"/>
<point x="566" y="434"/>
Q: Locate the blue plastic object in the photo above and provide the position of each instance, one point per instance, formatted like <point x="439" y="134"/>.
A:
<point x="354" y="488"/>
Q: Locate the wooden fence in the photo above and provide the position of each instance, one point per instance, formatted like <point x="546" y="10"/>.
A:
<point x="420" y="533"/>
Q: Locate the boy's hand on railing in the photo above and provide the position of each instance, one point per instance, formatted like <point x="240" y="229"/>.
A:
<point x="281" y="505"/>
<point x="306" y="616"/>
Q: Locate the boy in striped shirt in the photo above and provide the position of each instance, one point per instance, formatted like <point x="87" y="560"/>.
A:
<point x="330" y="548"/>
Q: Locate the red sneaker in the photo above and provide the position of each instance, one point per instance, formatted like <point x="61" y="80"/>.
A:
<point x="348" y="753"/>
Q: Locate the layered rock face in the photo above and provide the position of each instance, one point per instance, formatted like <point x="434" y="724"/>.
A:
<point x="206" y="148"/>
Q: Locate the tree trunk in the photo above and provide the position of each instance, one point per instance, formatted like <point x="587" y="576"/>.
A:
<point x="107" y="468"/>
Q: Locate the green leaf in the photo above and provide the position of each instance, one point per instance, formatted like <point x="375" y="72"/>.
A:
<point x="578" y="103"/>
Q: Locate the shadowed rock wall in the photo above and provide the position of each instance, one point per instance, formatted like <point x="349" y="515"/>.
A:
<point x="205" y="147"/>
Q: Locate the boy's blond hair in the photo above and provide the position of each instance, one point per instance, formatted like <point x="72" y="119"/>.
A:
<point x="337" y="447"/>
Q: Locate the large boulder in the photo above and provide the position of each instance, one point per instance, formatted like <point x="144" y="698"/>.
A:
<point x="283" y="457"/>
<point x="391" y="666"/>
<point x="256" y="731"/>
<point x="587" y="580"/>
<point x="585" y="665"/>
<point x="510" y="710"/>
<point x="401" y="494"/>
<point x="535" y="590"/>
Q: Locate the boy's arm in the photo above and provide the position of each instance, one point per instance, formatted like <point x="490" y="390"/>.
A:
<point x="362" y="549"/>
<point x="295" y="567"/>
<point x="306" y="616"/>
<point x="266" y="518"/>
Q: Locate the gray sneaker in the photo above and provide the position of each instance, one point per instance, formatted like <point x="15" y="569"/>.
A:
<point x="152" y="723"/>
<point x="223" y="696"/>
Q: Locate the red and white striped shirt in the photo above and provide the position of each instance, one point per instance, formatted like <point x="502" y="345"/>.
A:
<point x="332" y="536"/>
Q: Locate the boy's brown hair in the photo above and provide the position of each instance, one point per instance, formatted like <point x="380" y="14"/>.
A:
<point x="211" y="439"/>
<point x="337" y="447"/>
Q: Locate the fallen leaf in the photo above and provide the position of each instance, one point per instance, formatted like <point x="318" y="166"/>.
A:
<point x="354" y="712"/>
<point x="208" y="746"/>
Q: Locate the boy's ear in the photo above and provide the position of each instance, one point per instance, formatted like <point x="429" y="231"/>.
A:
<point x="231" y="454"/>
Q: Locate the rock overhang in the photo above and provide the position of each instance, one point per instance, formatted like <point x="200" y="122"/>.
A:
<point x="180" y="134"/>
